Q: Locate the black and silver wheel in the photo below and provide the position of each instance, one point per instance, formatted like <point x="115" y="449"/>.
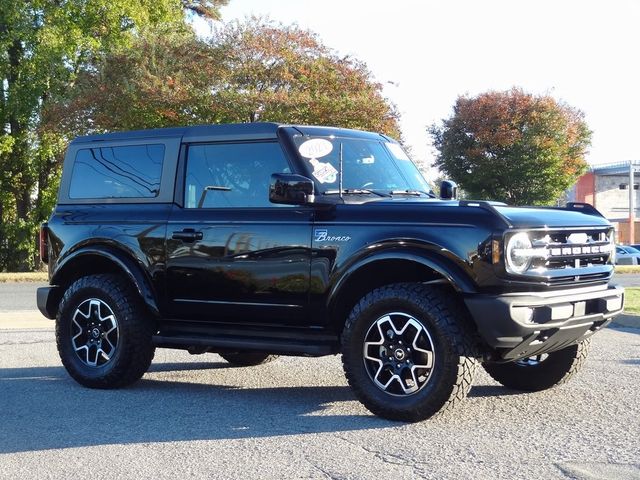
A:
<point x="94" y="332"/>
<point x="407" y="351"/>
<point x="103" y="332"/>
<point x="543" y="371"/>
<point x="398" y="354"/>
<point x="247" y="358"/>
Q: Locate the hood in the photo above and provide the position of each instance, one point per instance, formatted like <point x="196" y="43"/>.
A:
<point x="517" y="217"/>
<point x="540" y="217"/>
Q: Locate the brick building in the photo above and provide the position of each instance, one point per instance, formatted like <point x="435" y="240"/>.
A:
<point x="606" y="187"/>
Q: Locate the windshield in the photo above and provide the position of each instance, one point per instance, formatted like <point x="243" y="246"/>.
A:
<point x="367" y="164"/>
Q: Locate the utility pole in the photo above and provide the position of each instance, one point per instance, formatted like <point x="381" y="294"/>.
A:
<point x="632" y="206"/>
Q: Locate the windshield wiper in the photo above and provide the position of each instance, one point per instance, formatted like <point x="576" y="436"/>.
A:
<point x="356" y="191"/>
<point x="416" y="193"/>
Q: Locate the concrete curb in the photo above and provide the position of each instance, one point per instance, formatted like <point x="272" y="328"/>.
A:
<point x="24" y="320"/>
<point x="629" y="321"/>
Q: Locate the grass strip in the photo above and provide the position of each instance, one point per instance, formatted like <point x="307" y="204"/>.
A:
<point x="632" y="300"/>
<point x="627" y="268"/>
<point x="6" y="277"/>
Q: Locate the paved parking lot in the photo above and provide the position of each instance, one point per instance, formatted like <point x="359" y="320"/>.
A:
<point x="195" y="417"/>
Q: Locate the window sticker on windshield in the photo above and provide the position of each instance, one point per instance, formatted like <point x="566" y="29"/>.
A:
<point x="324" y="172"/>
<point x="315" y="148"/>
<point x="368" y="160"/>
<point x="397" y="151"/>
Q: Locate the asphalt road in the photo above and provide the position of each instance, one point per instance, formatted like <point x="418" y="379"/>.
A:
<point x="196" y="417"/>
<point x="627" y="280"/>
<point x="18" y="296"/>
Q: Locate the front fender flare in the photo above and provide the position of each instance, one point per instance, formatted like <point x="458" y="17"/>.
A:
<point x="447" y="268"/>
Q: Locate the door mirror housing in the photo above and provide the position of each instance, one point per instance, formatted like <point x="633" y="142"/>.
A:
<point x="448" y="190"/>
<point x="290" y="189"/>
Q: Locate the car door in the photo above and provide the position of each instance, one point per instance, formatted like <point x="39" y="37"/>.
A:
<point x="232" y="256"/>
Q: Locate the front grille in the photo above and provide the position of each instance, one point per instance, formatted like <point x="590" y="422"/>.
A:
<point x="590" y="277"/>
<point x="570" y="256"/>
<point x="571" y="249"/>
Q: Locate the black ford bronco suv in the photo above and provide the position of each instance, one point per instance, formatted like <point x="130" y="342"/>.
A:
<point x="253" y="240"/>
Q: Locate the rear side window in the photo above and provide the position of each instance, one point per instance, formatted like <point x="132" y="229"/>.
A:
<point x="132" y="171"/>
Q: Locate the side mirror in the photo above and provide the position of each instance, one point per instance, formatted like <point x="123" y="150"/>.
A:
<point x="290" y="189"/>
<point x="448" y="190"/>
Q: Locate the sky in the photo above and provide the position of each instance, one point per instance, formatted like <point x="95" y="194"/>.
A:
<point x="427" y="53"/>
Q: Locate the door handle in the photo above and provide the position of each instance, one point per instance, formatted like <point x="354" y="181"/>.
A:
<point x="187" y="235"/>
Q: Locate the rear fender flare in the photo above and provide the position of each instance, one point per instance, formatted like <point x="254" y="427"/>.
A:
<point x="121" y="261"/>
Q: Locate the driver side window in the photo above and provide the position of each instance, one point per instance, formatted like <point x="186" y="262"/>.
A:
<point x="232" y="175"/>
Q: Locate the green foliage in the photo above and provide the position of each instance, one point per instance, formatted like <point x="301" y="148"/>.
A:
<point x="163" y="80"/>
<point x="249" y="71"/>
<point x="512" y="146"/>
<point x="45" y="45"/>
<point x="18" y="245"/>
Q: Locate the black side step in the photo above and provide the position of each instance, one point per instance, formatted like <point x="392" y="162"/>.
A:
<point x="219" y="338"/>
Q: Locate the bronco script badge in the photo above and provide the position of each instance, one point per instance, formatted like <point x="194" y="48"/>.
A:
<point x="322" y="235"/>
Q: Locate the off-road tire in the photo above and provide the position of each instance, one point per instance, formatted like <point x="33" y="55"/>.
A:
<point x="556" y="369"/>
<point x="453" y="341"/>
<point x="133" y="351"/>
<point x="247" y="358"/>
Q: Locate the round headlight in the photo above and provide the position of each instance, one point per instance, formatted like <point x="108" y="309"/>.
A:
<point x="518" y="254"/>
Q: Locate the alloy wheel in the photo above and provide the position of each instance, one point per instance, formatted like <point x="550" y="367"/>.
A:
<point x="94" y="332"/>
<point x="398" y="354"/>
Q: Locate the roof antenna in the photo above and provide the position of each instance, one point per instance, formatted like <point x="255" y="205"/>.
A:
<point x="340" y="173"/>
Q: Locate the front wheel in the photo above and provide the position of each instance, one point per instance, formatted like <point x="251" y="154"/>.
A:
<point x="543" y="371"/>
<point x="103" y="332"/>
<point x="407" y="352"/>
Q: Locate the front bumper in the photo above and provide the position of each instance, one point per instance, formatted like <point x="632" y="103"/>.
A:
<point x="518" y="325"/>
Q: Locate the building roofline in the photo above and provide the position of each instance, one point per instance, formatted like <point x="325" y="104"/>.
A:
<point x="615" y="168"/>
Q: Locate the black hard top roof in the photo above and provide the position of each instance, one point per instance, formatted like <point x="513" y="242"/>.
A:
<point x="228" y="131"/>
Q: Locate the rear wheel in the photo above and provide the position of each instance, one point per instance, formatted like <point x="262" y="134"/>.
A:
<point x="407" y="353"/>
<point x="541" y="372"/>
<point x="247" y="359"/>
<point x="103" y="332"/>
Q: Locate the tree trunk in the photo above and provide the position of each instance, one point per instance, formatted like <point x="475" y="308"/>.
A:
<point x="23" y="204"/>
<point x="3" y="250"/>
<point x="42" y="185"/>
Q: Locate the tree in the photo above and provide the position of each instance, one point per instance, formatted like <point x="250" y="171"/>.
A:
<point x="248" y="71"/>
<point x="204" y="8"/>
<point x="164" y="80"/>
<point x="44" y="45"/>
<point x="285" y="73"/>
<point x="512" y="146"/>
